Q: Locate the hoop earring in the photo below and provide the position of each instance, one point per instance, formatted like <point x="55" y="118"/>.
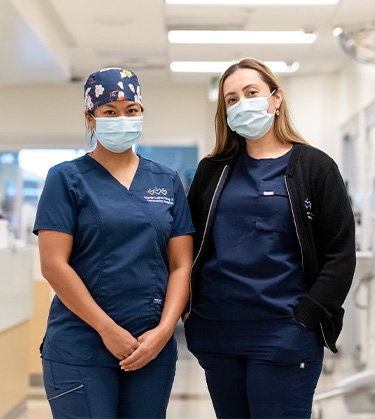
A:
<point x="277" y="112"/>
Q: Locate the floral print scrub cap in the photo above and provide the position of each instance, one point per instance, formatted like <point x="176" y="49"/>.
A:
<point x="109" y="85"/>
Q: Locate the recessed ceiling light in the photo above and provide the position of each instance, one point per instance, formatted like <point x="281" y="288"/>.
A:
<point x="241" y="37"/>
<point x="221" y="66"/>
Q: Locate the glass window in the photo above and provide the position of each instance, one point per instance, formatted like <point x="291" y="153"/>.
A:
<point x="22" y="176"/>
<point x="182" y="159"/>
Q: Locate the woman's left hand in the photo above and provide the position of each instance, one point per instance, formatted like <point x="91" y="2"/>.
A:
<point x="151" y="344"/>
<point x="180" y="255"/>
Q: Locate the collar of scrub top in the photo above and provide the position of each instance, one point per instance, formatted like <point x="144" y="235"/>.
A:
<point x="110" y="85"/>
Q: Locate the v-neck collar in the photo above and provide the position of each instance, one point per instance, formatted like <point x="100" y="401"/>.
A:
<point x="136" y="177"/>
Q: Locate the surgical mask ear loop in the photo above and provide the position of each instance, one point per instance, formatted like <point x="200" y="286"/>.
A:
<point x="273" y="91"/>
<point x="90" y="133"/>
<point x="277" y="112"/>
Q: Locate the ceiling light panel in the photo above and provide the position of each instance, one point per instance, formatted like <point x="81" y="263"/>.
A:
<point x="241" y="37"/>
<point x="221" y="66"/>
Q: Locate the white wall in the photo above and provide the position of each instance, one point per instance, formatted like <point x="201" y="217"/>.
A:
<point x="356" y="89"/>
<point x="52" y="115"/>
<point x="41" y="116"/>
<point x="312" y="103"/>
<point x="179" y="115"/>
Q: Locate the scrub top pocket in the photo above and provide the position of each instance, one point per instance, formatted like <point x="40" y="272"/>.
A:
<point x="274" y="212"/>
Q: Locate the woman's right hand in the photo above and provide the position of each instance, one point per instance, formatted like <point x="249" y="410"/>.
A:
<point x="119" y="341"/>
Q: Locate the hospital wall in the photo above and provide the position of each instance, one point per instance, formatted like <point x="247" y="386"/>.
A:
<point x="52" y="116"/>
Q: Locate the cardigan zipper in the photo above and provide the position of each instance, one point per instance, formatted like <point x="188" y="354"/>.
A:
<point x="205" y="230"/>
<point x="295" y="223"/>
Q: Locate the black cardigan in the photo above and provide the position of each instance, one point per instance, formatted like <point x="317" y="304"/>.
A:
<point x="324" y="224"/>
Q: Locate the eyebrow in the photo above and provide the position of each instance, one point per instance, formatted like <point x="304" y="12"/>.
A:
<point x="110" y="105"/>
<point x="243" y="89"/>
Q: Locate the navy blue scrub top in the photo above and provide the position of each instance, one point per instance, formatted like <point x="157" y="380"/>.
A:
<point x="255" y="270"/>
<point x="119" y="249"/>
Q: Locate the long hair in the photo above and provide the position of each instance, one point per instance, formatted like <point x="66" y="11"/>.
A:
<point x="228" y="141"/>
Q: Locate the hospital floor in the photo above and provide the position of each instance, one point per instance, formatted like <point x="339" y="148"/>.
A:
<point x="190" y="399"/>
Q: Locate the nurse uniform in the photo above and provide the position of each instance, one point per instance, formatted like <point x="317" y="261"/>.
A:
<point x="120" y="253"/>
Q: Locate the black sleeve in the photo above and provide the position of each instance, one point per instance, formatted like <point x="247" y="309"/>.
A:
<point x="335" y="242"/>
<point x="336" y="234"/>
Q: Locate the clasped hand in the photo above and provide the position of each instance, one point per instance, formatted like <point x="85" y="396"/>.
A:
<point x="150" y="345"/>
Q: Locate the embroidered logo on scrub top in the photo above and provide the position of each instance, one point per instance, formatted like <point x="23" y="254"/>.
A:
<point x="157" y="191"/>
<point x="158" y="195"/>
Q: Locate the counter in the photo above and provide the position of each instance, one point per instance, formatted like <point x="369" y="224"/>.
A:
<point x="16" y="285"/>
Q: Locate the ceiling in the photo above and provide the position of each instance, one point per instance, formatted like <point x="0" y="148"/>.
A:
<point x="64" y="40"/>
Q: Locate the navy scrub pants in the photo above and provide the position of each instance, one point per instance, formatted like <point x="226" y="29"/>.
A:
<point x="81" y="391"/>
<point x="259" y="370"/>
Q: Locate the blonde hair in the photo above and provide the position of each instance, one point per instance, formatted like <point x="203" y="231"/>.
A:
<point x="228" y="141"/>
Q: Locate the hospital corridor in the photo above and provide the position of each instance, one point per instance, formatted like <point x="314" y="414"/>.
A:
<point x="204" y="163"/>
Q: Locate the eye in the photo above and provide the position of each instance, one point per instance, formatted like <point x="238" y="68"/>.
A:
<point x="109" y="112"/>
<point x="134" y="111"/>
<point x="251" y="93"/>
<point x="231" y="101"/>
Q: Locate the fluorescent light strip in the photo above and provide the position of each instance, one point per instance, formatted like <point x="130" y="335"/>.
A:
<point x="252" y="2"/>
<point x="221" y="66"/>
<point x="241" y="37"/>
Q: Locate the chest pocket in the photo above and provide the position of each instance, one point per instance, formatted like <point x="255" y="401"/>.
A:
<point x="274" y="212"/>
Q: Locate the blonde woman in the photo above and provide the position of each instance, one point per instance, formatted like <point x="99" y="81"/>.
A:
<point x="274" y="254"/>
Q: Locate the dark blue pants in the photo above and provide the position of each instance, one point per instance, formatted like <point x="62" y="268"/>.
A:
<point x="267" y="369"/>
<point x="76" y="391"/>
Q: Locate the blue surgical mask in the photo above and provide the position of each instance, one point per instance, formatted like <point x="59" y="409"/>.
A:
<point x="249" y="117"/>
<point x="118" y="134"/>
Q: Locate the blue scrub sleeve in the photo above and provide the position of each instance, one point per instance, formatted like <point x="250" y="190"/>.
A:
<point x="180" y="211"/>
<point x="57" y="208"/>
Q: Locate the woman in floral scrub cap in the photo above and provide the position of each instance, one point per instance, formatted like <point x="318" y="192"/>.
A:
<point x="115" y="244"/>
